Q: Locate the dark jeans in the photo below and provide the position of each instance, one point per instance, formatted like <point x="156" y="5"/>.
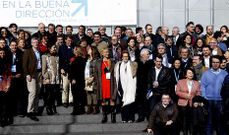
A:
<point x="142" y="105"/>
<point x="49" y="94"/>
<point x="214" y="118"/>
<point x="185" y="119"/>
<point x="127" y="112"/>
<point x="19" y="95"/>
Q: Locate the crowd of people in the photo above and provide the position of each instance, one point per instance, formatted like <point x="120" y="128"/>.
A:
<point x="178" y="82"/>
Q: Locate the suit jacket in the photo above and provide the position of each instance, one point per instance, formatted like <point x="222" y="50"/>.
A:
<point x="17" y="62"/>
<point x="183" y="92"/>
<point x="185" y="65"/>
<point x="29" y="63"/>
<point x="171" y="55"/>
<point x="65" y="54"/>
<point x="163" y="79"/>
<point x="118" y="51"/>
<point x="98" y="78"/>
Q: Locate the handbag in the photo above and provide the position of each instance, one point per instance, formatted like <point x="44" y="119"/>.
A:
<point x="88" y="84"/>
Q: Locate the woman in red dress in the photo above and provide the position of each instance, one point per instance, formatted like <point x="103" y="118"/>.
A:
<point x="106" y="89"/>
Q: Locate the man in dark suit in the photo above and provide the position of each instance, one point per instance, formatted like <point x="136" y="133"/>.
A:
<point x="186" y="61"/>
<point x="18" y="91"/>
<point x="65" y="54"/>
<point x="32" y="71"/>
<point x="158" y="81"/>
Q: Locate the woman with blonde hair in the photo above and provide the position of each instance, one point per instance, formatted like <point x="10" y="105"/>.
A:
<point x="76" y="77"/>
<point x="106" y="86"/>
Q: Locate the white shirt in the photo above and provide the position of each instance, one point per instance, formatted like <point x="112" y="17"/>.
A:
<point x="13" y="67"/>
<point x="87" y="69"/>
<point x="207" y="61"/>
<point x="157" y="72"/>
<point x="38" y="57"/>
<point x="164" y="60"/>
<point x="216" y="71"/>
<point x="189" y="83"/>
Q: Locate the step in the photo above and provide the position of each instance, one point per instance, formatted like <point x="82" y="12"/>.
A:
<point x="74" y="128"/>
<point x="64" y="124"/>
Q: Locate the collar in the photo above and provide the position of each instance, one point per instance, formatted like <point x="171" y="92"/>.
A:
<point x="35" y="50"/>
<point x="216" y="71"/>
<point x="158" y="68"/>
<point x="115" y="47"/>
<point x="185" y="60"/>
<point x="208" y="57"/>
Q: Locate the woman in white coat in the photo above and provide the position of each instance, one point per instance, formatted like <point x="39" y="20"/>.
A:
<point x="125" y="73"/>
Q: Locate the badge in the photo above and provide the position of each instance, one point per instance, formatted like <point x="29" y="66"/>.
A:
<point x="108" y="76"/>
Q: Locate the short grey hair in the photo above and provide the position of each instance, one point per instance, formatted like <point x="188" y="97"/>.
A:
<point x="161" y="44"/>
<point x="144" y="50"/>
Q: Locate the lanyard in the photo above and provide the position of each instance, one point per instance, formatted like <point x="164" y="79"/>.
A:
<point x="106" y="65"/>
<point x="176" y="76"/>
<point x="14" y="59"/>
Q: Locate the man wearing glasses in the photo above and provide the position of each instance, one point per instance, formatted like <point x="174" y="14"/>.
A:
<point x="211" y="84"/>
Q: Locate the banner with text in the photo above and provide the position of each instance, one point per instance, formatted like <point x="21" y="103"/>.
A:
<point x="68" y="12"/>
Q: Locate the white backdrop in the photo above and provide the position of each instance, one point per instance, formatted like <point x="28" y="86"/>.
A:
<point x="28" y="13"/>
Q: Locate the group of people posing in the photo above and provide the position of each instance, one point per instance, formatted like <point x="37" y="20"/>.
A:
<point x="178" y="83"/>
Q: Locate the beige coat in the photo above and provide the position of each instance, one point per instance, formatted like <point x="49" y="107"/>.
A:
<point x="50" y="69"/>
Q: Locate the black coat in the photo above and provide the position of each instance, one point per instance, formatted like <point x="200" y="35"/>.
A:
<point x="163" y="79"/>
<point x="65" y="54"/>
<point x="76" y="71"/>
<point x="142" y="74"/>
<point x="160" y="115"/>
<point x="172" y="53"/>
<point x="17" y="61"/>
<point x="185" y="65"/>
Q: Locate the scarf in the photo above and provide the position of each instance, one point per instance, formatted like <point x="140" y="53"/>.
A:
<point x="127" y="81"/>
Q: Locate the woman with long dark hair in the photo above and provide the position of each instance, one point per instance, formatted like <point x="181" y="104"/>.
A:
<point x="176" y="74"/>
<point x="51" y="79"/>
<point x="199" y="46"/>
<point x="90" y="86"/>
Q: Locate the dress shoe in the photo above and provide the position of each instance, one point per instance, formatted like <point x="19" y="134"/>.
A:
<point x="49" y="111"/>
<point x="34" y="118"/>
<point x="65" y="105"/>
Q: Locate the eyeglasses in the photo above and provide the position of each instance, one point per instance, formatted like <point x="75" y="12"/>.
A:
<point x="212" y="42"/>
